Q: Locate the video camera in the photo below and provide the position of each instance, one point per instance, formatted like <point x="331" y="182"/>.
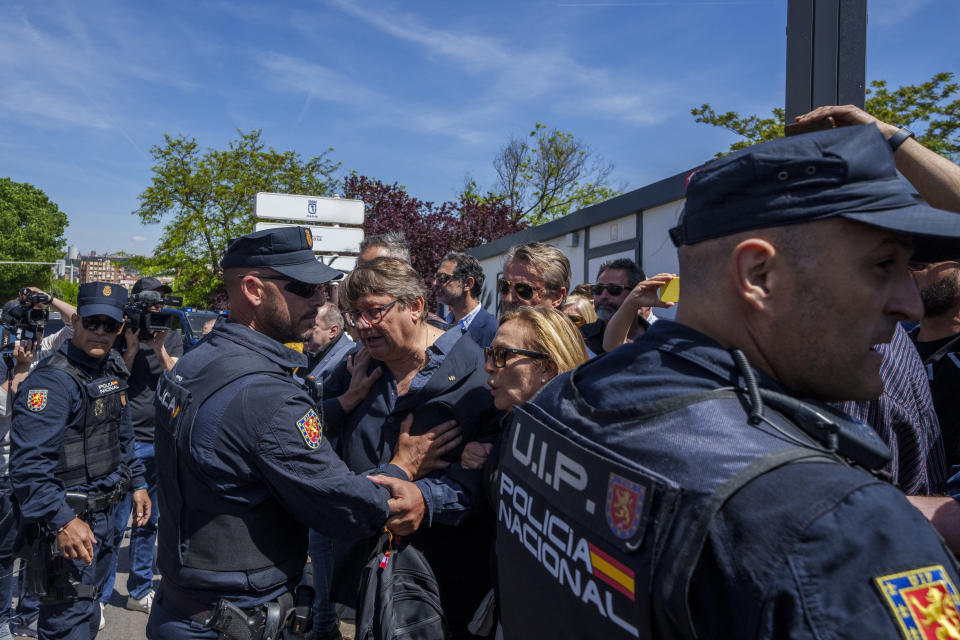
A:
<point x="22" y="320"/>
<point x="146" y="322"/>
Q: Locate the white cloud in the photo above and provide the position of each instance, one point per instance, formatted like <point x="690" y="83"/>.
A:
<point x="518" y="75"/>
<point x="139" y="239"/>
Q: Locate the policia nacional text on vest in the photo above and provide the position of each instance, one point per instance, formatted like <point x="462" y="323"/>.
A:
<point x="91" y="451"/>
<point x="591" y="544"/>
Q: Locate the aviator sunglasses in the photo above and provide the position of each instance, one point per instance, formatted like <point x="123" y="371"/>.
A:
<point x="612" y="289"/>
<point x="92" y="323"/>
<point x="296" y="287"/>
<point x="499" y="355"/>
<point x="523" y="290"/>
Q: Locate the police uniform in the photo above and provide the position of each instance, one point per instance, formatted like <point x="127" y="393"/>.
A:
<point x="71" y="434"/>
<point x="670" y="490"/>
<point x="244" y="468"/>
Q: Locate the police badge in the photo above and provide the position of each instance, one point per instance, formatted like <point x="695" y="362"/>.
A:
<point x="98" y="407"/>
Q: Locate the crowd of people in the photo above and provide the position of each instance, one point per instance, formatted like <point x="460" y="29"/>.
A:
<point x="779" y="461"/>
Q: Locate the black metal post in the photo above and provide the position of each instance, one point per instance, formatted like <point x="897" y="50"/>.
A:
<point x="826" y="54"/>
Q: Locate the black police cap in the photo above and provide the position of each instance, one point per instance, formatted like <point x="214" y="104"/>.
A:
<point x="847" y="172"/>
<point x="101" y="299"/>
<point x="286" y="250"/>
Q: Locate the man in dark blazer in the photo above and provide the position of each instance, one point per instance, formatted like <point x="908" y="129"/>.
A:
<point x="459" y="283"/>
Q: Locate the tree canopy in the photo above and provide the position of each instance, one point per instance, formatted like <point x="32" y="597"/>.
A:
<point x="204" y="198"/>
<point x="550" y="173"/>
<point x="431" y="230"/>
<point x="31" y="230"/>
<point x="931" y="109"/>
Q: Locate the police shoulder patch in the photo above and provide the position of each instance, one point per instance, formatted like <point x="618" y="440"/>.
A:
<point x="37" y="399"/>
<point x="310" y="429"/>
<point x="923" y="602"/>
<point x="625" y="500"/>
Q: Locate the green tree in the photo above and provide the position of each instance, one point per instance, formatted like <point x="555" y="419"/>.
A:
<point x="207" y="197"/>
<point x="31" y="230"/>
<point x="548" y="174"/>
<point x="66" y="291"/>
<point x="931" y="109"/>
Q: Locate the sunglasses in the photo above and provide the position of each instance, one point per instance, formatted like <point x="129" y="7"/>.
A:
<point x="576" y="319"/>
<point x="920" y="266"/>
<point x="372" y="316"/>
<point x="443" y="278"/>
<point x="498" y="355"/>
<point x="612" y="289"/>
<point x="296" y="287"/>
<point x="523" y="290"/>
<point x="92" y="323"/>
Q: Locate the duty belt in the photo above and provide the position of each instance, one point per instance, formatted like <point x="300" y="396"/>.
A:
<point x="263" y="622"/>
<point x="86" y="503"/>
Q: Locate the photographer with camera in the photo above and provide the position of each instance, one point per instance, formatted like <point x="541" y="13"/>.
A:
<point x="71" y="462"/>
<point x="24" y="345"/>
<point x="147" y="351"/>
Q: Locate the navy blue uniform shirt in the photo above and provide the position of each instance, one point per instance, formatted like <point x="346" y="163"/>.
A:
<point x="37" y="437"/>
<point x="264" y="456"/>
<point x="810" y="550"/>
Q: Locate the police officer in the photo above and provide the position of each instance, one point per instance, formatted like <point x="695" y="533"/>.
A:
<point x="244" y="467"/>
<point x="678" y="487"/>
<point x="72" y="461"/>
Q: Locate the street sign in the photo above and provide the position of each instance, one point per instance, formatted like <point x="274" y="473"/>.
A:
<point x="325" y="239"/>
<point x="312" y="209"/>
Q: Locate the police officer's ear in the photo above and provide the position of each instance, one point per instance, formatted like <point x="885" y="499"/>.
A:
<point x="75" y="321"/>
<point x="755" y="265"/>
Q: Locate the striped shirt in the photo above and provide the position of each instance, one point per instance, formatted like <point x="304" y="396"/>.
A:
<point x="905" y="419"/>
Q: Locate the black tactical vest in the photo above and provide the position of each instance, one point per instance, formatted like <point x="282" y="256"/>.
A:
<point x="91" y="442"/>
<point x="591" y="544"/>
<point x="249" y="548"/>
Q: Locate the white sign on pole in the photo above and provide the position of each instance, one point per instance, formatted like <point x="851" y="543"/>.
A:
<point x="314" y="209"/>
<point x="325" y="239"/>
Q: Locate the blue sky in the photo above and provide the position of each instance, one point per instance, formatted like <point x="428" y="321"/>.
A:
<point x="417" y="92"/>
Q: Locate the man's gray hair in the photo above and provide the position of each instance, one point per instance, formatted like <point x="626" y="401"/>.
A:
<point x="547" y="260"/>
<point x="331" y="316"/>
<point x="394" y="241"/>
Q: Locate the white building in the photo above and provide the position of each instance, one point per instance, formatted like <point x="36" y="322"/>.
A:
<point x="633" y="225"/>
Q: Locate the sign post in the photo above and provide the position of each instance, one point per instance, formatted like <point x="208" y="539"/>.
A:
<point x="336" y="223"/>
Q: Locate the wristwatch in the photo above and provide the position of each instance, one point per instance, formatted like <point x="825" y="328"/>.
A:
<point x="900" y="137"/>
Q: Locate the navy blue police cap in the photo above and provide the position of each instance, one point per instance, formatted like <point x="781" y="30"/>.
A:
<point x="101" y="299"/>
<point x="286" y="250"/>
<point x="847" y="172"/>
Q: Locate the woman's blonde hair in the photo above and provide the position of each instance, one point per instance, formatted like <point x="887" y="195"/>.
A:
<point x="383" y="276"/>
<point x="584" y="307"/>
<point x="551" y="332"/>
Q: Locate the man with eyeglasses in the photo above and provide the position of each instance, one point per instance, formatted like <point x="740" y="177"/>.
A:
<point x="72" y="461"/>
<point x="459" y="284"/>
<point x="535" y="274"/>
<point x="614" y="282"/>
<point x="245" y="465"/>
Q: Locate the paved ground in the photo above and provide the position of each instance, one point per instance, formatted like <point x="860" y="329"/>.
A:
<point x="123" y="624"/>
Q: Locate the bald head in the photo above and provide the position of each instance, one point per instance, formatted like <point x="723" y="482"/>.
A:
<point x="806" y="303"/>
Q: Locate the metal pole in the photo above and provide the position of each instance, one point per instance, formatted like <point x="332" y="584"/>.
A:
<point x="826" y="54"/>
